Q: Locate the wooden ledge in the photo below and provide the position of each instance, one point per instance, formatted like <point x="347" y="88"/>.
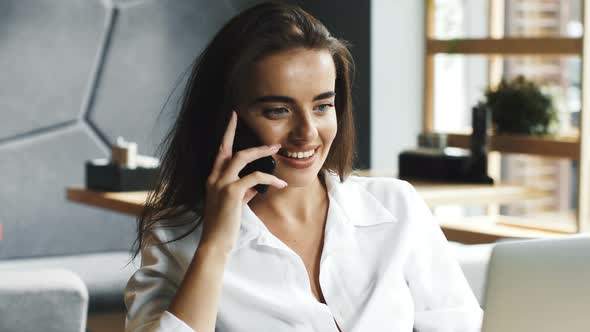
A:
<point x="506" y="46"/>
<point x="557" y="147"/>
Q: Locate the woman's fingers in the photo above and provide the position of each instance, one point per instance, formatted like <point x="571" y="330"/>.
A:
<point x="227" y="142"/>
<point x="225" y="149"/>
<point x="250" y="193"/>
<point x="241" y="158"/>
<point x="247" y="182"/>
<point x="226" y="166"/>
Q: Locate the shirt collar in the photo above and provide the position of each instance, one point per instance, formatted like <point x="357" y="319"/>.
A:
<point x="357" y="203"/>
<point x="350" y="203"/>
<point x="251" y="227"/>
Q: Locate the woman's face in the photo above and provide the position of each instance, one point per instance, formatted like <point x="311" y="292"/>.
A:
<point x="289" y="99"/>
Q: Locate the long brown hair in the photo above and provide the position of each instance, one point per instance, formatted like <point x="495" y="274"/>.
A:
<point x="191" y="145"/>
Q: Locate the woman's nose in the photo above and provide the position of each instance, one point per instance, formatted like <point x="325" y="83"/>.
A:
<point x="304" y="128"/>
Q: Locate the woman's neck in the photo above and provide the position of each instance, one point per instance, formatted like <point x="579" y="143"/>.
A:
<point x="292" y="205"/>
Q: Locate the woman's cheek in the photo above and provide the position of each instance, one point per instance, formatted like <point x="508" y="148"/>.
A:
<point x="272" y="134"/>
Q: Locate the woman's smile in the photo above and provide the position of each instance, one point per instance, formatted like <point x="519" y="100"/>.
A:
<point x="299" y="160"/>
<point x="298" y="154"/>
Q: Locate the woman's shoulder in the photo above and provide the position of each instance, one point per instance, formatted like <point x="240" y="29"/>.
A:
<point x="177" y="229"/>
<point x="378" y="182"/>
<point x="375" y="195"/>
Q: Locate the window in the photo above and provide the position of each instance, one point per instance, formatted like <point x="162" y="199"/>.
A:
<point x="472" y="44"/>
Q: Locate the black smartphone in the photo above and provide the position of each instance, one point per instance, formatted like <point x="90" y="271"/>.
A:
<point x="245" y="138"/>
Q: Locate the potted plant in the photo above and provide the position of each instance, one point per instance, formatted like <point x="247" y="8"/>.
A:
<point x="520" y="107"/>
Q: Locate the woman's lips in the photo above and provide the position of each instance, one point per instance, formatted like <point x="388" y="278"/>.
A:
<point x="298" y="163"/>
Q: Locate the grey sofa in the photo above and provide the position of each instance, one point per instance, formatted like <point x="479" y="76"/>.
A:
<point x="58" y="293"/>
<point x="50" y="300"/>
<point x="103" y="274"/>
<point x="474" y="260"/>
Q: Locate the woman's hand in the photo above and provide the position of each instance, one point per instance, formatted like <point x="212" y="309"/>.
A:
<point x="227" y="192"/>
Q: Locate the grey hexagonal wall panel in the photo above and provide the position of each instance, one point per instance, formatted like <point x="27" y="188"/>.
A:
<point x="48" y="51"/>
<point x="37" y="219"/>
<point x="152" y="43"/>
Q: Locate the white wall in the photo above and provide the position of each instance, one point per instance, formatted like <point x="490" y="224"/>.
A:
<point x="397" y="53"/>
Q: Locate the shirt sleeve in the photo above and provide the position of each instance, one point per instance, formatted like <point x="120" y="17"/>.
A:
<point x="151" y="288"/>
<point x="443" y="299"/>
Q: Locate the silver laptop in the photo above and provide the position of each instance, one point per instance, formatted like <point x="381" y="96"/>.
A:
<point x="538" y="286"/>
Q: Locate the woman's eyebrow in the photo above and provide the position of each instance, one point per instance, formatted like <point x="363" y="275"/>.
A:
<point x="324" y="95"/>
<point x="289" y="100"/>
<point x="276" y="99"/>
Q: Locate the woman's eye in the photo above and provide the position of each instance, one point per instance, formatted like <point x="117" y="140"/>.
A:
<point x="325" y="107"/>
<point x="276" y="111"/>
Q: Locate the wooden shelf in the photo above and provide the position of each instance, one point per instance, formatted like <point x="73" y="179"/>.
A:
<point x="125" y="202"/>
<point x="436" y="194"/>
<point x="562" y="147"/>
<point x="488" y="229"/>
<point x="506" y="46"/>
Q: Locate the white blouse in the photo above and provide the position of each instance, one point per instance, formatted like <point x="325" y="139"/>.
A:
<point x="385" y="266"/>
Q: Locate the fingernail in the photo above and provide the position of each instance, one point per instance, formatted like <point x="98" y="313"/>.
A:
<point x="274" y="146"/>
<point x="285" y="184"/>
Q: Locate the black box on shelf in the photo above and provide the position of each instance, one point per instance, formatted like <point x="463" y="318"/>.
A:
<point x="102" y="175"/>
<point x="451" y="164"/>
<point x="434" y="164"/>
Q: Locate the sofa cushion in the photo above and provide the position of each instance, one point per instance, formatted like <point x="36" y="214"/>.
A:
<point x="51" y="300"/>
<point x="105" y="274"/>
<point x="474" y="260"/>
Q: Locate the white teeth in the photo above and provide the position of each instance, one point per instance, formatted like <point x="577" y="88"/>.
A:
<point x="298" y="155"/>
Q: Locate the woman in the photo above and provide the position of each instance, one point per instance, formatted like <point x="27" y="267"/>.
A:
<point x="320" y="250"/>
